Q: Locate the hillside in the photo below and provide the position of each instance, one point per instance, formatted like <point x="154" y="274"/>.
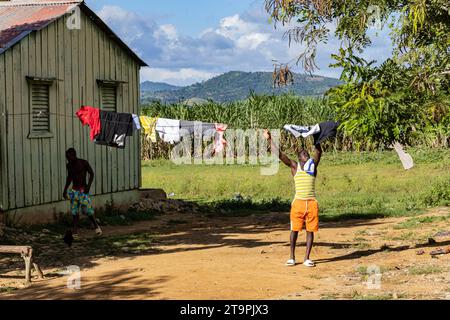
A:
<point x="149" y="86"/>
<point x="237" y="85"/>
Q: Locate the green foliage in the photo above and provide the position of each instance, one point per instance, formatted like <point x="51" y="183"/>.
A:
<point x="404" y="97"/>
<point x="438" y="194"/>
<point x="362" y="119"/>
<point x="373" y="107"/>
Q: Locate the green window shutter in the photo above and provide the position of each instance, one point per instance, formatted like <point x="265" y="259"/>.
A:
<point x="40" y="108"/>
<point x="109" y="98"/>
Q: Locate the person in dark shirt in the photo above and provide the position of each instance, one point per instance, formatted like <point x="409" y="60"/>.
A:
<point x="79" y="196"/>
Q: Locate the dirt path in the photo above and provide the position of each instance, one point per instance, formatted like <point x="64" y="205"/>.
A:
<point x="194" y="257"/>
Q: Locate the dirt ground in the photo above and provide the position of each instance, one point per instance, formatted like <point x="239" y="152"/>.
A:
<point x="184" y="256"/>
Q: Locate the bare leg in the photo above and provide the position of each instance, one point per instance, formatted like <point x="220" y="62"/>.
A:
<point x="309" y="244"/>
<point x="94" y="222"/>
<point x="91" y="217"/>
<point x="76" y="218"/>
<point x="294" y="235"/>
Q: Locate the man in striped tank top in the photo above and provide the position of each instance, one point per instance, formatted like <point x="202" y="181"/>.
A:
<point x="304" y="209"/>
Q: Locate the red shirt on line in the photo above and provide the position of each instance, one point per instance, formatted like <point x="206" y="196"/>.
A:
<point x="90" y="116"/>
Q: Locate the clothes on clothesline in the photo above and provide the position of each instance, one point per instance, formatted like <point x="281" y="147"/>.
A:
<point x="304" y="131"/>
<point x="168" y="130"/>
<point x="320" y="132"/>
<point x="115" y="127"/>
<point x="220" y="142"/>
<point x="197" y="128"/>
<point x="328" y="130"/>
<point x="136" y="122"/>
<point x="112" y="128"/>
<point x="405" y="158"/>
<point x="148" y="125"/>
<point x="90" y="116"/>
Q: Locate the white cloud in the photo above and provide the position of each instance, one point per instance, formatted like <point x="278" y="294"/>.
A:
<point x="167" y="30"/>
<point x="246" y="42"/>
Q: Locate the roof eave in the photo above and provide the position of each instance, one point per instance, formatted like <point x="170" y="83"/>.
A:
<point x="99" y="22"/>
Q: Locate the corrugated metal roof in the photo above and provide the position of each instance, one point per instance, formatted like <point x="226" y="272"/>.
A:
<point x="18" y="18"/>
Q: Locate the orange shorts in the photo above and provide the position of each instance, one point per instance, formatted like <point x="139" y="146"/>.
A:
<point x="305" y="211"/>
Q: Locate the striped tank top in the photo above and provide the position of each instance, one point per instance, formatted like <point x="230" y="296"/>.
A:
<point x="305" y="181"/>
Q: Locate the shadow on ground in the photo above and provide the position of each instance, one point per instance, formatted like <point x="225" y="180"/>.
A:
<point x="117" y="285"/>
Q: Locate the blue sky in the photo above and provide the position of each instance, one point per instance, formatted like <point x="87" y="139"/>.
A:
<point x="190" y="41"/>
<point x="190" y="16"/>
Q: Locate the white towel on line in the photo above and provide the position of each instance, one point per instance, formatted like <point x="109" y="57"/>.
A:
<point x="168" y="130"/>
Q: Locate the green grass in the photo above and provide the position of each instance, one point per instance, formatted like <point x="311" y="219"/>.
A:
<point x="348" y="184"/>
<point x="419" y="270"/>
<point x="7" y="289"/>
<point x="372" y="297"/>
<point x="418" y="221"/>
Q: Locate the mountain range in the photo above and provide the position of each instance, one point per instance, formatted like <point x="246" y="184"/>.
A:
<point x="233" y="86"/>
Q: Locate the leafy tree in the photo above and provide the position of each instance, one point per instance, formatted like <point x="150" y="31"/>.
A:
<point x="406" y="95"/>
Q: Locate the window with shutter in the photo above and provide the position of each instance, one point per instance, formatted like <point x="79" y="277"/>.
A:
<point x="109" y="98"/>
<point x="40" y="109"/>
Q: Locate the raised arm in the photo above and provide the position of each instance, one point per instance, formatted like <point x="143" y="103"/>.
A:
<point x="284" y="158"/>
<point x="317" y="154"/>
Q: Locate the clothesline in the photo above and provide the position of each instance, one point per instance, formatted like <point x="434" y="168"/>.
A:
<point x="75" y="117"/>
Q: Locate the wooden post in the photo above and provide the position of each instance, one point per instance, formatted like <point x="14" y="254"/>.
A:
<point x="27" y="260"/>
<point x="26" y="253"/>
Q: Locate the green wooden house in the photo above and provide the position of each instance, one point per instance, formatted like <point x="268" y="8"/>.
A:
<point x="56" y="56"/>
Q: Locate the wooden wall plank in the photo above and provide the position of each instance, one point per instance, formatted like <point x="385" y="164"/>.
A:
<point x="109" y="152"/>
<point x="46" y="155"/>
<point x="26" y="152"/>
<point x="17" y="138"/>
<point x="4" y="199"/>
<point x="34" y="144"/>
<point x="133" y="173"/>
<point x="68" y="90"/>
<point x="137" y="153"/>
<point x="115" y="152"/>
<point x="96" y="92"/>
<point x="60" y="160"/>
<point x="90" y="83"/>
<point x="10" y="127"/>
<point x="103" y="75"/>
<point x="55" y="179"/>
<point x="81" y="49"/>
<point x="120" y="161"/>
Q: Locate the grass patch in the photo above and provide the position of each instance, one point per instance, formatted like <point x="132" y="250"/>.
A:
<point x="136" y="243"/>
<point x="349" y="185"/>
<point x="329" y="297"/>
<point x="405" y="236"/>
<point x="361" y="246"/>
<point x="418" y="221"/>
<point x="7" y="289"/>
<point x="356" y="295"/>
<point x="373" y="297"/>
<point x="364" y="270"/>
<point x="419" y="270"/>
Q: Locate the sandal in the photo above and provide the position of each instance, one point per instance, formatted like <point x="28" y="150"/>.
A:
<point x="309" y="263"/>
<point x="290" y="262"/>
<point x="98" y="231"/>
